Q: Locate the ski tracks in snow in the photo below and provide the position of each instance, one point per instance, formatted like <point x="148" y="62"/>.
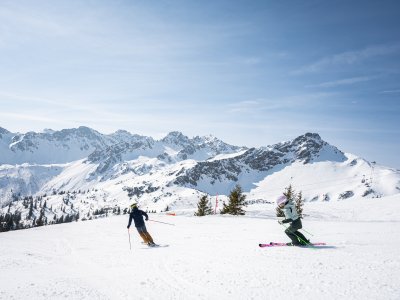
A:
<point x="181" y="287"/>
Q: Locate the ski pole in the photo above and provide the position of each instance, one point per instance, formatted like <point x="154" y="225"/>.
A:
<point x="130" y="246"/>
<point x="162" y="222"/>
<point x="307" y="232"/>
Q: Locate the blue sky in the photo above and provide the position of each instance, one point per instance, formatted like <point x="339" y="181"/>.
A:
<point x="251" y="73"/>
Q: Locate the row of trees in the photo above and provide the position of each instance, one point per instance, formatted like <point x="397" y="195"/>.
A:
<point x="12" y="221"/>
<point x="237" y="200"/>
<point x="234" y="207"/>
<point x="38" y="213"/>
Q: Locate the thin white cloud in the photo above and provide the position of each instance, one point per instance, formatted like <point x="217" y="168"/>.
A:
<point x="390" y="92"/>
<point x="348" y="58"/>
<point x="347" y="81"/>
<point x="244" y="106"/>
<point x="283" y="103"/>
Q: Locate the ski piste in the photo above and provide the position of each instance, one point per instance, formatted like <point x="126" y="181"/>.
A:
<point x="275" y="244"/>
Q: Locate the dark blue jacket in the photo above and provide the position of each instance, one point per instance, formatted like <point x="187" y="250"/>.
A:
<point x="137" y="216"/>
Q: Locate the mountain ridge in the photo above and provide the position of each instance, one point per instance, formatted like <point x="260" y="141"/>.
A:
<point x="175" y="171"/>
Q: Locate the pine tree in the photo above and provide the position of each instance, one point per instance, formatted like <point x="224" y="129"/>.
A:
<point x="203" y="207"/>
<point x="236" y="201"/>
<point x="289" y="193"/>
<point x="299" y="204"/>
<point x="40" y="221"/>
<point x="279" y="212"/>
<point x="30" y="214"/>
<point x="9" y="222"/>
<point x="17" y="219"/>
<point x="2" y="223"/>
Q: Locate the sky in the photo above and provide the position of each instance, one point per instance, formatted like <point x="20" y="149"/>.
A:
<point x="252" y="73"/>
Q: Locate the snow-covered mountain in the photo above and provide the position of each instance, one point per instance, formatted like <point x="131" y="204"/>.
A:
<point x="51" y="147"/>
<point x="83" y="171"/>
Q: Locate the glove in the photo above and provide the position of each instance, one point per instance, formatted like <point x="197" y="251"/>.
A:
<point x="127" y="227"/>
<point x="147" y="219"/>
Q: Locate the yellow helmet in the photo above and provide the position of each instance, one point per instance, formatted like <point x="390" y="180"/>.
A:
<point x="133" y="205"/>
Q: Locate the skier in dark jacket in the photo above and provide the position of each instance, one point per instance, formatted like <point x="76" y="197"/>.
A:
<point x="137" y="216"/>
<point x="292" y="217"/>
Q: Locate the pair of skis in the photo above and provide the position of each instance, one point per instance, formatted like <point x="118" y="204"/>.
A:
<point x="274" y="244"/>
<point x="155" y="245"/>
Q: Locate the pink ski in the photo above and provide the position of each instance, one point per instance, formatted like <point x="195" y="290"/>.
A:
<point x="273" y="244"/>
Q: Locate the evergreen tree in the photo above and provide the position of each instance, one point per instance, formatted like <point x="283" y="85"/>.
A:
<point x="30" y="213"/>
<point x="60" y="220"/>
<point x="9" y="222"/>
<point x="289" y="193"/>
<point x="40" y="221"/>
<point x="299" y="204"/>
<point x="68" y="218"/>
<point x="17" y="219"/>
<point x="279" y="212"/>
<point x="236" y="201"/>
<point x="2" y="223"/>
<point x="203" y="207"/>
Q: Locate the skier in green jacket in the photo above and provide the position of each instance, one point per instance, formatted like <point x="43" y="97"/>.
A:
<point x="292" y="217"/>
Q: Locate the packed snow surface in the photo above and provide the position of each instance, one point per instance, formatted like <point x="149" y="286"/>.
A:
<point x="212" y="257"/>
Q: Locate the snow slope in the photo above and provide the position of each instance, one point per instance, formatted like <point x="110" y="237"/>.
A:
<point x="214" y="257"/>
<point x="327" y="180"/>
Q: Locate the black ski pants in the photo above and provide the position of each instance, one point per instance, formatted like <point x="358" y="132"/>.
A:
<point x="294" y="234"/>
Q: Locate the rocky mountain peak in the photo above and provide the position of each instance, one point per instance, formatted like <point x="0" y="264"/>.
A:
<point x="48" y="131"/>
<point x="308" y="138"/>
<point x="3" y="131"/>
<point x="122" y="132"/>
<point x="176" y="137"/>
